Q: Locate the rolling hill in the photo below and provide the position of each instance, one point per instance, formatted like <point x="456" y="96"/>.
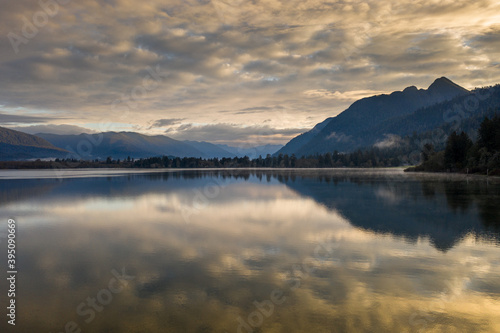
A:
<point x="15" y="145"/>
<point x="121" y="145"/>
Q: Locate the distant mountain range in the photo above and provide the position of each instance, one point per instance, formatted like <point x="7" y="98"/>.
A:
<point x="252" y="152"/>
<point x="120" y="145"/>
<point x="15" y="145"/>
<point x="124" y="144"/>
<point x="371" y="119"/>
<point x="367" y="122"/>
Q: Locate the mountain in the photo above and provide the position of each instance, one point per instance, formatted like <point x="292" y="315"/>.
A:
<point x="252" y="152"/>
<point x="210" y="149"/>
<point x="299" y="141"/>
<point x="445" y="88"/>
<point x="15" y="145"/>
<point x="121" y="145"/>
<point x="455" y="114"/>
<point x="348" y="130"/>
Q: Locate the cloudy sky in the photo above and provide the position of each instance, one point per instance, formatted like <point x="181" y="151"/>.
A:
<point x="229" y="71"/>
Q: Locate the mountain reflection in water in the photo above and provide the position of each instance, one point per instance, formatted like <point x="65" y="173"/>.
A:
<point x="409" y="252"/>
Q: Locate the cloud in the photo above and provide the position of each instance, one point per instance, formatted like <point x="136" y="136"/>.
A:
<point x="166" y="122"/>
<point x="266" y="67"/>
<point x="256" y="109"/>
<point x="53" y="129"/>
<point x="7" y="119"/>
<point x="264" y="108"/>
<point x="347" y="96"/>
<point x="313" y="58"/>
<point x="231" y="133"/>
<point x="339" y="137"/>
<point x="390" y="141"/>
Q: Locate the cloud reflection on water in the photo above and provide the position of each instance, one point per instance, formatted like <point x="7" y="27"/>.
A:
<point x="202" y="275"/>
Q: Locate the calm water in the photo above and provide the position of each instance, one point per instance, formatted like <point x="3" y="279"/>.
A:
<point x="253" y="251"/>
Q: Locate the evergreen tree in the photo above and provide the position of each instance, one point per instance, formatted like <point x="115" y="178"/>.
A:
<point x="427" y="152"/>
<point x="489" y="134"/>
<point x="455" y="154"/>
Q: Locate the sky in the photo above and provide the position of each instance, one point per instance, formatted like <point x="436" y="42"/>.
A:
<point x="256" y="72"/>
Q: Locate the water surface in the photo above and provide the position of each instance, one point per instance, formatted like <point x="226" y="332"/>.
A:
<point x="253" y="251"/>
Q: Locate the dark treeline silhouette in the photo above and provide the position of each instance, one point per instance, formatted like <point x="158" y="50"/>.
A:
<point x="361" y="158"/>
<point x="372" y="157"/>
<point x="461" y="154"/>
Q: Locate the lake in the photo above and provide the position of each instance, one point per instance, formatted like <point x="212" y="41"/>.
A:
<point x="252" y="251"/>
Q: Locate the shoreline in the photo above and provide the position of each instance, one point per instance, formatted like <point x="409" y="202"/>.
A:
<point x="493" y="173"/>
<point x="12" y="174"/>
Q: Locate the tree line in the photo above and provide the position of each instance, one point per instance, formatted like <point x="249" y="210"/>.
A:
<point x="373" y="157"/>
<point x="461" y="154"/>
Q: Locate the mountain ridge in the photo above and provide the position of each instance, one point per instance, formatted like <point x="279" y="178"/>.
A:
<point x="345" y="131"/>
<point x="15" y="145"/>
<point x="120" y="145"/>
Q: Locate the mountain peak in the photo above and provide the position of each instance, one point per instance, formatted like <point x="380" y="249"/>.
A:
<point x="350" y="129"/>
<point x="443" y="79"/>
<point x="410" y="89"/>
<point x="445" y="85"/>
